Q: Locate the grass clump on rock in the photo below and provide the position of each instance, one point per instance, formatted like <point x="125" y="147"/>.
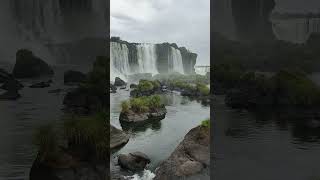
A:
<point x="206" y="123"/>
<point x="143" y="108"/>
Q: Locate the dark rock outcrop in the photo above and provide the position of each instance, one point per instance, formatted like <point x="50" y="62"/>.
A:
<point x="118" y="138"/>
<point x="136" y="161"/>
<point x="252" y="20"/>
<point x="133" y="117"/>
<point x="74" y="77"/>
<point x="29" y="66"/>
<point x="190" y="158"/>
<point x="119" y="82"/>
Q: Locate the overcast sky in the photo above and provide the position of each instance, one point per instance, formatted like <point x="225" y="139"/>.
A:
<point x="185" y="22"/>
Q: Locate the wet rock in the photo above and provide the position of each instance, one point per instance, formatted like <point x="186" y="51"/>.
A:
<point x="28" y="66"/>
<point x="41" y="84"/>
<point x="113" y="89"/>
<point x="118" y="138"/>
<point x="136" y="161"/>
<point x="73" y="77"/>
<point x="133" y="86"/>
<point x="133" y="117"/>
<point x="190" y="158"/>
<point x="119" y="82"/>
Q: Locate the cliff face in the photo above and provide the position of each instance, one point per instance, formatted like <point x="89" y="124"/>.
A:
<point x="34" y="24"/>
<point x="252" y="19"/>
<point x="244" y="20"/>
<point x="166" y="56"/>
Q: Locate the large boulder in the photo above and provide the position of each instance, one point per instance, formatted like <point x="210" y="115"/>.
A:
<point x="119" y="82"/>
<point x="118" y="138"/>
<point x="29" y="66"/>
<point x="190" y="158"/>
<point x="136" y="161"/>
<point x="73" y="77"/>
<point x="135" y="117"/>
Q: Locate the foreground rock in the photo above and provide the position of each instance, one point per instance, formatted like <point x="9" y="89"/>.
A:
<point x="119" y="82"/>
<point x="73" y="77"/>
<point x="29" y="66"/>
<point x="134" y="117"/>
<point x="68" y="167"/>
<point x="118" y="138"/>
<point x="190" y="158"/>
<point x="136" y="161"/>
<point x="113" y="89"/>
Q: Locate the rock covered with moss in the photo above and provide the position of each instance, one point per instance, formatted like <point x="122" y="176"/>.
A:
<point x="284" y="89"/>
<point x="141" y="109"/>
<point x="84" y="156"/>
<point x="146" y="88"/>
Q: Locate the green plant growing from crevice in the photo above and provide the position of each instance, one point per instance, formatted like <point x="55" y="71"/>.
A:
<point x="206" y="123"/>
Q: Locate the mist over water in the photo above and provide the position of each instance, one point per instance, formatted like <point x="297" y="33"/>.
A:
<point x="34" y="24"/>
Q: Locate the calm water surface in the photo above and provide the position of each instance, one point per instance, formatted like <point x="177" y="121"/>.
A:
<point x="159" y="139"/>
<point x="263" y="146"/>
<point x="18" y="121"/>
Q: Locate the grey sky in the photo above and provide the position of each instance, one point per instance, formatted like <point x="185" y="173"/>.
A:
<point x="185" y="22"/>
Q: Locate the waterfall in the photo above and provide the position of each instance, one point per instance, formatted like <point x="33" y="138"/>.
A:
<point x="119" y="57"/>
<point x="147" y="59"/>
<point x="175" y="61"/>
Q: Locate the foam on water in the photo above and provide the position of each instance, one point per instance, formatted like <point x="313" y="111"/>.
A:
<point x="147" y="175"/>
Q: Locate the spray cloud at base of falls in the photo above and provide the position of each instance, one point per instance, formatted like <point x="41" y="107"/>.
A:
<point x="139" y="58"/>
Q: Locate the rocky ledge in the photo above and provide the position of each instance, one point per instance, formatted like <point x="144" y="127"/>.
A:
<point x="118" y="138"/>
<point x="191" y="157"/>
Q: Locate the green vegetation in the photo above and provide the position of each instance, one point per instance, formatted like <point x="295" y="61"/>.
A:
<point x="87" y="132"/>
<point x="142" y="104"/>
<point x="205" y="123"/>
<point x="45" y="138"/>
<point x="146" y="85"/>
<point x="285" y="88"/>
<point x="203" y="89"/>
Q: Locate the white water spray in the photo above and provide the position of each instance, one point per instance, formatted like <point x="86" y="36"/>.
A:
<point x="119" y="55"/>
<point x="147" y="59"/>
<point x="175" y="61"/>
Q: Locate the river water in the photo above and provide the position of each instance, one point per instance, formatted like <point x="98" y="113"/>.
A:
<point x="19" y="119"/>
<point x="159" y="139"/>
<point x="264" y="146"/>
